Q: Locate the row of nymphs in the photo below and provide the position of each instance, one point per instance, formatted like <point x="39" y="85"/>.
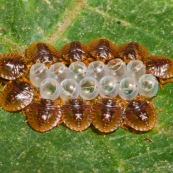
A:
<point x="102" y="50"/>
<point x="97" y="50"/>
<point x="106" y="114"/>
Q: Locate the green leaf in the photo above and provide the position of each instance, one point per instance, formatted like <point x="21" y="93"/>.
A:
<point x="62" y="150"/>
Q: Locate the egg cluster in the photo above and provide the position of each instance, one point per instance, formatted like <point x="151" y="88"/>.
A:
<point x="87" y="82"/>
<point x="51" y="87"/>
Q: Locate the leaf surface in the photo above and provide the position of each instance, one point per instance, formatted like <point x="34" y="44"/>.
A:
<point x="62" y="150"/>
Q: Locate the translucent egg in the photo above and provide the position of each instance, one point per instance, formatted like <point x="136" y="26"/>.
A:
<point x="38" y="72"/>
<point x="49" y="89"/>
<point x="128" y="89"/>
<point x="77" y="71"/>
<point x="108" y="87"/>
<point x="59" y="72"/>
<point x="117" y="69"/>
<point x="88" y="87"/>
<point x="69" y="89"/>
<point x="148" y="85"/>
<point x="97" y="70"/>
<point x="135" y="69"/>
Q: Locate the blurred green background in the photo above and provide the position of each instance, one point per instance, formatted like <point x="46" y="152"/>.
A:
<point x="62" y="150"/>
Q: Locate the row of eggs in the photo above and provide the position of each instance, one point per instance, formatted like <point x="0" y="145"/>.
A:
<point x="107" y="80"/>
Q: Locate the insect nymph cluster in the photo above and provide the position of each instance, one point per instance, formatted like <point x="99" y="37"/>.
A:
<point x="99" y="84"/>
